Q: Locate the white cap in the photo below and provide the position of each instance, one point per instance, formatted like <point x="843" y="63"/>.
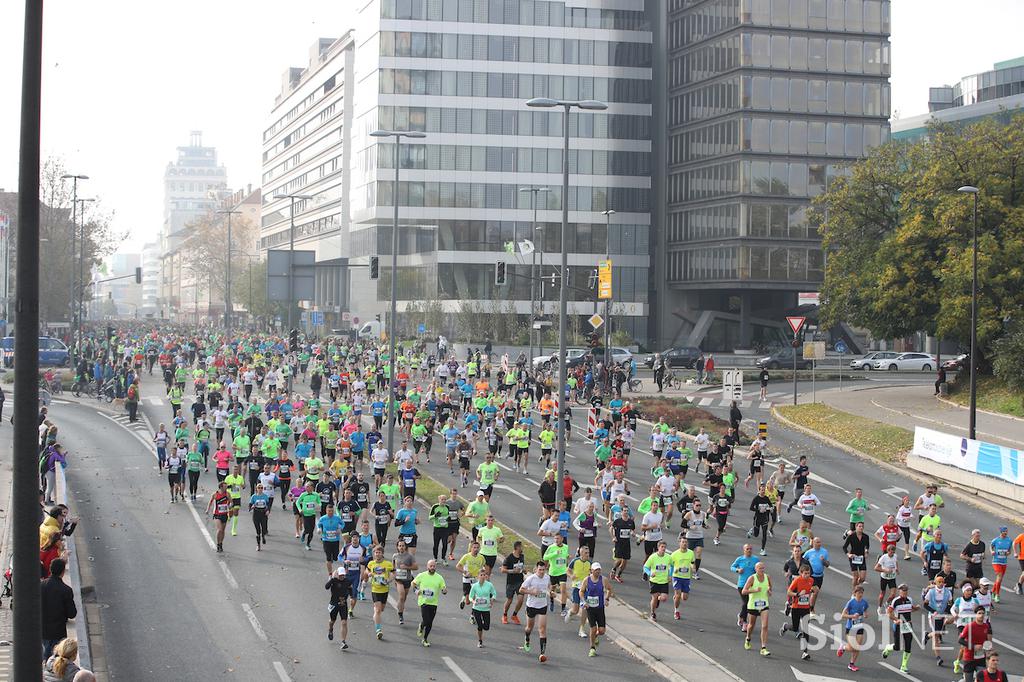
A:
<point x="339" y="572"/>
<point x="595" y="566"/>
<point x="481" y="493"/>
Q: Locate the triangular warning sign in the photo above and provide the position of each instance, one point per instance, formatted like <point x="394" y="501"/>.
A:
<point x="796" y="323"/>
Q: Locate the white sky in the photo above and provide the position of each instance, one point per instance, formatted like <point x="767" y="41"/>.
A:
<point x="124" y="82"/>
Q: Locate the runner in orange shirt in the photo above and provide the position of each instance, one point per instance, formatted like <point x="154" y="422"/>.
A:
<point x="547" y="407"/>
<point x="801" y="595"/>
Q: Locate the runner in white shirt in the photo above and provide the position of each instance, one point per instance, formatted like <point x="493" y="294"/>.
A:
<point x="808" y="503"/>
<point x="657" y="444"/>
<point x="404" y="454"/>
<point x="379" y="459"/>
<point x="667" y="485"/>
<point x="537" y="588"/>
<point x="702" y="441"/>
<point x="888" y="568"/>
<point x="904" y="516"/>
<point x="549" y="529"/>
<point x="580" y="505"/>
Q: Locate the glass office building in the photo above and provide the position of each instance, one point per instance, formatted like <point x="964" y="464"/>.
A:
<point x="461" y="71"/>
<point x="768" y="101"/>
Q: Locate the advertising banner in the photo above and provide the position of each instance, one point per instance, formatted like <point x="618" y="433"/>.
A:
<point x="974" y="456"/>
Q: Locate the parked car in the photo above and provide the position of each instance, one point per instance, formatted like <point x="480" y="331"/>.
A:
<point x="621" y="355"/>
<point x="906" y="361"/>
<point x="51" y="351"/>
<point x="684" y="356"/>
<point x="544" y="361"/>
<point x="866" y="362"/>
<point x="783" y="359"/>
<point x="961" y="361"/>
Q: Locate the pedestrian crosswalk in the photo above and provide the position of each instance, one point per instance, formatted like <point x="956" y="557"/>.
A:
<point x="752" y="400"/>
<point x="123" y="420"/>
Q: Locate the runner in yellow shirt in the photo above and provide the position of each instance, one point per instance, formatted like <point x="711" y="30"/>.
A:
<point x="469" y="565"/>
<point x="378" y="572"/>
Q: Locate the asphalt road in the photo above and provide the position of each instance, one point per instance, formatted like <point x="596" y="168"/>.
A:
<point x="284" y="577"/>
<point x="173" y="609"/>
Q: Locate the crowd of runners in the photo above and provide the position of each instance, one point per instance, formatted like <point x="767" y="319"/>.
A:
<point x="300" y="427"/>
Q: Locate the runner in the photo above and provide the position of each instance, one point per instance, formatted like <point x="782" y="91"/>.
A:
<point x="695" y="521"/>
<point x="439" y="516"/>
<point x="174" y="465"/>
<point x="341" y="590"/>
<point x="658" y="572"/>
<point x="429" y="586"/>
<point x="469" y="566"/>
<point x="329" y="526"/>
<point x="1001" y="546"/>
<point x="622" y="528"/>
<point x="235" y="484"/>
<point x="513" y="568"/>
<point x="406" y="522"/>
<point x="762" y="507"/>
<point x="306" y="505"/>
<point x="901" y="614"/>
<point x="682" y="568"/>
<point x="259" y="506"/>
<point x="378" y="573"/>
<point x="801" y="596"/>
<point x="579" y="569"/>
<point x="489" y="536"/>
<point x="557" y="557"/>
<point x="857" y="546"/>
<point x="888" y="568"/>
<point x="481" y="596"/>
<point x="937" y="600"/>
<point x="537" y="588"/>
<point x="595" y="592"/>
<point x="404" y="563"/>
<point x="855" y="627"/>
<point x="758" y="590"/>
<point x="220" y="502"/>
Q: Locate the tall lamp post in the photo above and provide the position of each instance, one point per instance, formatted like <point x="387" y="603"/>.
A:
<point x="608" y="304"/>
<point x="291" y="250"/>
<point x="973" y="414"/>
<point x="72" y="307"/>
<point x="393" y="315"/>
<point x="227" y="282"/>
<point x="563" y="304"/>
<point x="81" y="270"/>
<point x="533" y="265"/>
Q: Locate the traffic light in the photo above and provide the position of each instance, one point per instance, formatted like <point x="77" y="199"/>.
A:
<point x="374" y="267"/>
<point x="293" y="340"/>
<point x="595" y="340"/>
<point x="138" y="275"/>
<point x="592" y="280"/>
<point x="500" y="273"/>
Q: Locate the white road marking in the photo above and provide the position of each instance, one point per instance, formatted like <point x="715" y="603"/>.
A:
<point x="766" y="404"/>
<point x="840" y="572"/>
<point x="149" y="445"/>
<point x="807" y="677"/>
<point x="512" y="490"/>
<point x="704" y="402"/>
<point x="897" y="671"/>
<point x="454" y="667"/>
<point x="227" y="574"/>
<point x="730" y="583"/>
<point x="254" y="621"/>
<point x="202" y="527"/>
<point x="156" y="401"/>
<point x="281" y="672"/>
<point x="1007" y="646"/>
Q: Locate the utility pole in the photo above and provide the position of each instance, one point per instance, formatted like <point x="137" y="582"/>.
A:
<point x="24" y="504"/>
<point x="608" y="304"/>
<point x="534" y="191"/>
<point x="73" y="312"/>
<point x="227" y="283"/>
<point x="291" y="251"/>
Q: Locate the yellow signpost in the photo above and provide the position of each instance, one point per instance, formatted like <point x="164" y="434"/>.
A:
<point x="604" y="279"/>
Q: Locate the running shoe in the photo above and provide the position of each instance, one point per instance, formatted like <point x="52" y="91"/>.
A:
<point x="504" y="619"/>
<point x="746" y="645"/>
<point x="542" y="658"/>
<point x="515" y="619"/>
<point x="764" y="651"/>
<point x="852" y="667"/>
<point x="592" y="652"/>
<point x="806" y="655"/>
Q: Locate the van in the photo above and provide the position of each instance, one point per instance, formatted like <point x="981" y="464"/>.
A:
<point x="51" y="352"/>
<point x="371" y="330"/>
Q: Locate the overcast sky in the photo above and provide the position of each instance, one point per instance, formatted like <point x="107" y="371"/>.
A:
<point x="124" y="82"/>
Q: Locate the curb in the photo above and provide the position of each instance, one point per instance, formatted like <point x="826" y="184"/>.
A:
<point x="74" y="574"/>
<point x="960" y="494"/>
<point x="990" y="413"/>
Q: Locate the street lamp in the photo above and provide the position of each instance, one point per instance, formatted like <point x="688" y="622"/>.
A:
<point x="608" y="213"/>
<point x="393" y="315"/>
<point x="227" y="283"/>
<point x="563" y="305"/>
<point x="291" y="251"/>
<point x="71" y="271"/>
<point x="972" y="419"/>
<point x="81" y="268"/>
<point x="533" y="265"/>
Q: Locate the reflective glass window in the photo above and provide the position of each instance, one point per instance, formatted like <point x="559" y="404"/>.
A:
<point x="798" y="53"/>
<point x="780" y="52"/>
<point x="816" y="55"/>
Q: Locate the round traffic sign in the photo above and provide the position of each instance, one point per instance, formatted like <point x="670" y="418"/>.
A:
<point x="355" y="320"/>
<point x="841" y="347"/>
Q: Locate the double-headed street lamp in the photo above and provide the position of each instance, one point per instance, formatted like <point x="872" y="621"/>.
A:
<point x="72" y="307"/>
<point x="973" y="413"/>
<point x="291" y="251"/>
<point x="608" y="213"/>
<point x="534" y="191"/>
<point x="563" y="305"/>
<point x="393" y="315"/>
<point x="227" y="282"/>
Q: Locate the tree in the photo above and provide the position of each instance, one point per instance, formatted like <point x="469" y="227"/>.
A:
<point x="249" y="290"/>
<point x="207" y="254"/>
<point x="1008" y="358"/>
<point x="898" y="235"/>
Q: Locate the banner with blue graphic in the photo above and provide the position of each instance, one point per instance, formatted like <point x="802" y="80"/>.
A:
<point x="975" y="456"/>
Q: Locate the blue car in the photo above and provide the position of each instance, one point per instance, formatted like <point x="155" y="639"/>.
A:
<point x="51" y="352"/>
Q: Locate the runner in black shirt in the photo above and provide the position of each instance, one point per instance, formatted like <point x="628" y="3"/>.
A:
<point x="326" y="490"/>
<point x="800" y="476"/>
<point x="348" y="510"/>
<point x="382" y="517"/>
<point x="283" y="468"/>
<point x="360" y="491"/>
<point x="857" y="546"/>
<point x="623" y="528"/>
<point x="254" y="465"/>
<point x="513" y="568"/>
<point x="762" y="508"/>
<point x="341" y="590"/>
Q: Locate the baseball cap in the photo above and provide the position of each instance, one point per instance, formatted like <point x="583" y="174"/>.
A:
<point x="481" y="493"/>
<point x="984" y="581"/>
<point x="1003" y="529"/>
<point x="595" y="566"/>
<point x="339" y="571"/>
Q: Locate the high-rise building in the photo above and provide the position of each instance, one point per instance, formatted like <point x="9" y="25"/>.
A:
<point x="150" y="304"/>
<point x="190" y="186"/>
<point x="461" y="71"/>
<point x="998" y="94"/>
<point x="767" y="101"/>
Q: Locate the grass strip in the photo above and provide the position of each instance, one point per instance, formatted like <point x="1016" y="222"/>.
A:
<point x="882" y="441"/>
<point x="993" y="395"/>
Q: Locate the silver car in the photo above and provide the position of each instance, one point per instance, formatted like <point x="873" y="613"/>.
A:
<point x="906" y="362"/>
<point x="865" y="363"/>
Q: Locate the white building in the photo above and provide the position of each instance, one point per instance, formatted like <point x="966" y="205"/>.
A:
<point x="461" y="71"/>
<point x="150" y="280"/>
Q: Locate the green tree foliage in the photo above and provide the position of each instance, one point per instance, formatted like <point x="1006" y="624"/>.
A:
<point x="898" y="234"/>
<point x="1008" y="360"/>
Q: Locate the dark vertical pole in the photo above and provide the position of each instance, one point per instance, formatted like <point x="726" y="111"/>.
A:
<point x="227" y="283"/>
<point x="72" y="328"/>
<point x="563" y="307"/>
<point x="291" y="264"/>
<point x="974" y="324"/>
<point x="24" y="498"/>
<point x="393" y="313"/>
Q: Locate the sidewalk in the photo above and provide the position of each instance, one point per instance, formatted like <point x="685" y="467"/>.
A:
<point x="6" y="615"/>
<point x="910" y="406"/>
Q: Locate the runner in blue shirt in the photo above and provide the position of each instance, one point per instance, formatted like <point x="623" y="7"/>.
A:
<point x="854" y="612"/>
<point x="1001" y="548"/>
<point x="743" y="566"/>
<point x="330" y="534"/>
<point x="358" y="440"/>
<point x="817" y="557"/>
<point x="377" y="410"/>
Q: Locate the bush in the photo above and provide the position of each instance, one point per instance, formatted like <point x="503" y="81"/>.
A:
<point x="1008" y="361"/>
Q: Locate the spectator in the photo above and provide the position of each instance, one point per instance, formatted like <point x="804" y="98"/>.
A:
<point x="939" y="380"/>
<point x="735" y="416"/>
<point x="700" y="369"/>
<point x="131" y="401"/>
<point x="54" y="458"/>
<point x="3" y="397"/>
<point x="50" y="549"/>
<point x="61" y="666"/>
<point x="709" y="368"/>
<point x="659" y="370"/>
<point x="57" y="606"/>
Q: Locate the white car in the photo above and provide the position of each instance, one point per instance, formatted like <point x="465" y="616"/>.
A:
<point x="544" y="361"/>
<point x="620" y="355"/>
<point x="906" y="361"/>
<point x="866" y="362"/>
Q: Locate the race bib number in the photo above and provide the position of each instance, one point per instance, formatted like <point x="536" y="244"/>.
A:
<point x="593" y="601"/>
<point x="906" y="627"/>
<point x="481" y="601"/>
<point x="857" y="560"/>
<point x="625" y="533"/>
<point x="760" y="604"/>
<point x="383" y="519"/>
<point x="804" y="600"/>
<point x="401" y="574"/>
<point x="889" y="576"/>
<point x="935" y="564"/>
<point x="489" y="543"/>
<point x="428" y="593"/>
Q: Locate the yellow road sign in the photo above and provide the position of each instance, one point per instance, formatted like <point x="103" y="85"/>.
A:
<point x="604" y="279"/>
<point x="595" y="320"/>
